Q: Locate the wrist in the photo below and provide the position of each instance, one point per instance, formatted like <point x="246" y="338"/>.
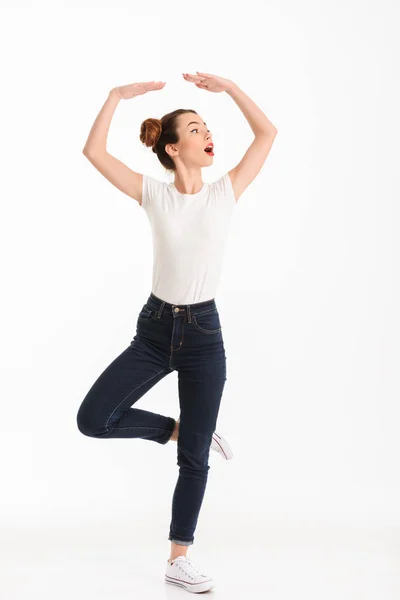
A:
<point x="231" y="87"/>
<point x="114" y="94"/>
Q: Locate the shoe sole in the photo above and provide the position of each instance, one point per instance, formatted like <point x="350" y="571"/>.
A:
<point x="192" y="587"/>
<point x="224" y="446"/>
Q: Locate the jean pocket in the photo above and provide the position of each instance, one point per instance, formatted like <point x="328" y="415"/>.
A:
<point x="207" y="322"/>
<point x="146" y="313"/>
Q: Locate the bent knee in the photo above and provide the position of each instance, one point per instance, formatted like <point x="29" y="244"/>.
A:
<point x="88" y="427"/>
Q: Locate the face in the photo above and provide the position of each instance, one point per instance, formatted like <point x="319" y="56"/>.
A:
<point x="194" y="137"/>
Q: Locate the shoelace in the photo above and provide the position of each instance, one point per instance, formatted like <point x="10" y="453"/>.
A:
<point x="189" y="568"/>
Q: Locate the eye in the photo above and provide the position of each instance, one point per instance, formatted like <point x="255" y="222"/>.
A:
<point x="196" y="129"/>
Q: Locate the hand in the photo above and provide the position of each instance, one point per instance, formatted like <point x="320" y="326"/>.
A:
<point x="137" y="89"/>
<point x="207" y="81"/>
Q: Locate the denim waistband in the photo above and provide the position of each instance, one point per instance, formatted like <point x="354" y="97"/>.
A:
<point x="177" y="309"/>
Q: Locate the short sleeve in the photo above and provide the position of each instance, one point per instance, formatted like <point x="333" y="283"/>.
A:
<point x="224" y="190"/>
<point x="151" y="190"/>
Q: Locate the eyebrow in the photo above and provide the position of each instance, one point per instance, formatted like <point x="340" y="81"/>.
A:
<point x="195" y="122"/>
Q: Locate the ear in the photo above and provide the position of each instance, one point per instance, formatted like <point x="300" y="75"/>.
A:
<point x="171" y="148"/>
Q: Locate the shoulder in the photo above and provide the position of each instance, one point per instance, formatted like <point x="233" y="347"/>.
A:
<point x="224" y="187"/>
<point x="151" y="188"/>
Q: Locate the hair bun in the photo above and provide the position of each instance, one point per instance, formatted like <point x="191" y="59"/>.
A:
<point x="150" y="131"/>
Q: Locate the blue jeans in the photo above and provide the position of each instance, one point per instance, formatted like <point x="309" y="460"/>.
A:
<point x="183" y="338"/>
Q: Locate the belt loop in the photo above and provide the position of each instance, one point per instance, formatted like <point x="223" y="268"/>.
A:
<point x="160" y="309"/>
<point x="189" y="316"/>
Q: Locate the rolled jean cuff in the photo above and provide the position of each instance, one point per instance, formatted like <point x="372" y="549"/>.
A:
<point x="168" y="434"/>
<point x="181" y="542"/>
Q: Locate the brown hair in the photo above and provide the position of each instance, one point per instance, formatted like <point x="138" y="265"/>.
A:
<point x="157" y="133"/>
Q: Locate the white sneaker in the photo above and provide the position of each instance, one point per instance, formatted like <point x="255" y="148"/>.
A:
<point x="183" y="573"/>
<point x="220" y="445"/>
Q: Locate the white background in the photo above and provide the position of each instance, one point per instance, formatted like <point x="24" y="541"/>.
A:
<point x="309" y="299"/>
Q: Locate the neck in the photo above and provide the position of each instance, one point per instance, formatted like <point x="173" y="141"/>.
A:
<point x="188" y="181"/>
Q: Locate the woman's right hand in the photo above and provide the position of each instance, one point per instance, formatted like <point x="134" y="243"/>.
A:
<point x="137" y="89"/>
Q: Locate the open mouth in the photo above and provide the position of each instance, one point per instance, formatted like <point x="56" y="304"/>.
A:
<point x="209" y="149"/>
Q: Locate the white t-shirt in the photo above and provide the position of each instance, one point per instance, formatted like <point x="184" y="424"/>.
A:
<point x="189" y="236"/>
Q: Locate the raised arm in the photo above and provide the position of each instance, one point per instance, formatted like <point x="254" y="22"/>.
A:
<point x="256" y="154"/>
<point x="120" y="175"/>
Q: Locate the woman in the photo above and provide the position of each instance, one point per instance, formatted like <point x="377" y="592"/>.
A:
<point x="178" y="327"/>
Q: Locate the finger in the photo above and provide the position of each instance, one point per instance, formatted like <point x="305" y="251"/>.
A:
<point x="204" y="74"/>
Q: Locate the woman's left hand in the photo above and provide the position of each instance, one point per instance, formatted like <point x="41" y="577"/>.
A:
<point x="209" y="82"/>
